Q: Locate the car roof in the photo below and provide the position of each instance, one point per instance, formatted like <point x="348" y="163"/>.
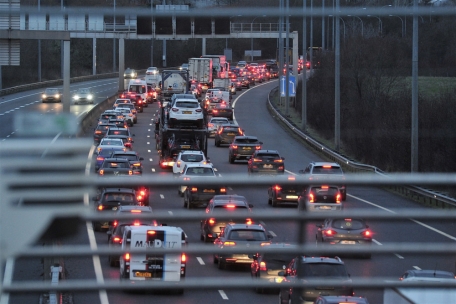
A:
<point x="335" y="260"/>
<point x="246" y="226"/>
<point x="118" y="129"/>
<point x="245" y="137"/>
<point x="429" y="272"/>
<point x="267" y="151"/>
<point x="344" y="299"/>
<point x="191" y="152"/>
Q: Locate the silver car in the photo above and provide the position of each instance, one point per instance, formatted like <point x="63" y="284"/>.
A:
<point x="83" y="95"/>
<point x="214" y="123"/>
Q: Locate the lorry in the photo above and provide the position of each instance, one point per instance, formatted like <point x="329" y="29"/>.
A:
<point x="201" y="72"/>
<point x="143" y="264"/>
<point x="174" y="82"/>
<point x="170" y="141"/>
<point x="219" y="65"/>
<point x="153" y="80"/>
<point x="225" y="83"/>
<point x="421" y="295"/>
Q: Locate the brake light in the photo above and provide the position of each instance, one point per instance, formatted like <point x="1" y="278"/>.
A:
<point x="210" y="125"/>
<point x="366" y="233"/>
<point x="329" y="232"/>
<point x="240" y="131"/>
<point x="139" y="197"/>
<point x="136" y="223"/>
<point x="277" y="188"/>
<point x="214" y="111"/>
<point x="223" y="190"/>
<point x="117" y="240"/>
<point x="311" y="198"/>
<point x="135" y="211"/>
<point x="258" y="148"/>
<point x="229" y="243"/>
<point x="186" y="178"/>
<point x="278" y="161"/>
<point x="211" y="221"/>
<point x="265" y="244"/>
<point x="178" y="164"/>
<point x="194" y="189"/>
<point x="183" y="258"/>
<point x="257" y="160"/>
<point x="151" y="232"/>
<point x="114" y="224"/>
<point x="231" y="206"/>
<point x="127" y="257"/>
<point x="101" y="172"/>
<point x="263" y="266"/>
<point x="291" y="178"/>
<point x="97" y="132"/>
<point x="220" y="131"/>
<point x="249" y="221"/>
<point x="100" y="207"/>
<point x="234" y="146"/>
<point x="100" y="158"/>
<point x="327" y="166"/>
<point x="338" y="198"/>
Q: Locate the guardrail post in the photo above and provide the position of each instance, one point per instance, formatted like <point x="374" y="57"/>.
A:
<point x="54" y="297"/>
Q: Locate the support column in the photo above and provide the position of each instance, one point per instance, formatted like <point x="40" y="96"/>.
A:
<point x="94" y="56"/>
<point x="204" y="47"/>
<point x="295" y="55"/>
<point x="66" y="77"/>
<point x="164" y="53"/>
<point x="121" y="64"/>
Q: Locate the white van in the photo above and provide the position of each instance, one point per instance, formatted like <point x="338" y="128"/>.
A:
<point x="140" y="87"/>
<point x="148" y="266"/>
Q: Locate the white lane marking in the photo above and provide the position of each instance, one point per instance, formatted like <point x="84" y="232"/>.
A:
<point x="200" y="260"/>
<point x="262" y="223"/>
<point x="162" y="196"/>
<point x="148" y="130"/>
<point x="237" y="97"/>
<point x="399" y="256"/>
<point x="148" y="142"/>
<point x="215" y="169"/>
<point x="290" y="172"/>
<point x="153" y="169"/>
<point x="272" y="233"/>
<point x="417" y="268"/>
<point x="170" y="212"/>
<point x="148" y="135"/>
<point x="150" y="124"/>
<point x="150" y="159"/>
<point x="376" y="242"/>
<point x="148" y="151"/>
<point x="7" y="279"/>
<point x="223" y="295"/>
<point x="418" y="222"/>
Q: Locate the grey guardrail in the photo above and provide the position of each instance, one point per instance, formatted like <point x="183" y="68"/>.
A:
<point x="56" y="82"/>
<point x="424" y="196"/>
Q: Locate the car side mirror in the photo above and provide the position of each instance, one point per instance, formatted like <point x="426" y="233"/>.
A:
<point x="283" y="158"/>
<point x="141" y="158"/>
<point x="270" y="236"/>
<point x="260" y="142"/>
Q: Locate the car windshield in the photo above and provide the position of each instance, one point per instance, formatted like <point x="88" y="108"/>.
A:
<point x="247" y="235"/>
<point x="51" y="91"/>
<point x="119" y="197"/>
<point x="348" y="224"/>
<point x="83" y="91"/>
<point x="200" y="171"/>
<point x="324" y="270"/>
<point x="112" y="165"/>
<point x="187" y="104"/>
<point x="327" y="170"/>
<point x="246" y="140"/>
<point x="138" y="88"/>
<point x="192" y="158"/>
<point x="268" y="155"/>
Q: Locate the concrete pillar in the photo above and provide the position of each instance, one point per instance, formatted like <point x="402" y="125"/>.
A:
<point x="164" y="53"/>
<point x="204" y="47"/>
<point x="121" y="64"/>
<point x="296" y="55"/>
<point x="94" y="56"/>
<point x="66" y="77"/>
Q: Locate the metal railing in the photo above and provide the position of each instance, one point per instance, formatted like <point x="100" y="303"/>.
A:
<point x="255" y="27"/>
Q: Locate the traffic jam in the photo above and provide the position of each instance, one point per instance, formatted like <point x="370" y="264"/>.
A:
<point x="187" y="110"/>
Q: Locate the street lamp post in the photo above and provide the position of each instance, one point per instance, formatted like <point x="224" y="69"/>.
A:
<point x="402" y="24"/>
<point x="362" y="24"/>
<point x="344" y="27"/>
<point x="380" y="24"/>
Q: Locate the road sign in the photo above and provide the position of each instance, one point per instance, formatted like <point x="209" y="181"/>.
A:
<point x="291" y="86"/>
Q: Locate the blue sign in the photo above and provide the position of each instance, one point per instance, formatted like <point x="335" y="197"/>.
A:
<point x="291" y="86"/>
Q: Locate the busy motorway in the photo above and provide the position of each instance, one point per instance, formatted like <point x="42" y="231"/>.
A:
<point x="251" y="113"/>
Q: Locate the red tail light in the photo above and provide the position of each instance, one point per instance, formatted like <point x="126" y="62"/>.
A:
<point x="210" y="125"/>
<point x="249" y="221"/>
<point x="183" y="258"/>
<point x="114" y="224"/>
<point x="229" y="243"/>
<point x="240" y="131"/>
<point x="117" y="240"/>
<point x="258" y="148"/>
<point x="127" y="257"/>
<point x="330" y="232"/>
<point x="311" y="198"/>
<point x="214" y="111"/>
<point x="367" y="233"/>
<point x="222" y="190"/>
<point x="278" y="161"/>
<point x="100" y="158"/>
<point x="338" y="198"/>
<point x="130" y="172"/>
<point x="178" y="164"/>
<point x="101" y="172"/>
<point x="257" y="160"/>
<point x="211" y="221"/>
<point x="97" y="132"/>
<point x="220" y="131"/>
<point x="263" y="266"/>
<point x="277" y="188"/>
<point x="100" y="207"/>
<point x="234" y="146"/>
<point x="136" y="223"/>
<point x="137" y="164"/>
<point x="139" y="197"/>
<point x="194" y="189"/>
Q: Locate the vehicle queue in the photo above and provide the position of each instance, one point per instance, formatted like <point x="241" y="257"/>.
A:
<point x="259" y="161"/>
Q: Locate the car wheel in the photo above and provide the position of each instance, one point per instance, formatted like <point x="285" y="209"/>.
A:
<point x="344" y="197"/>
<point x="111" y="262"/>
<point x="221" y="264"/>
<point x="269" y="201"/>
<point x="274" y="203"/>
<point x="217" y="143"/>
<point x="230" y="159"/>
<point x="185" y="201"/>
<point x="215" y="260"/>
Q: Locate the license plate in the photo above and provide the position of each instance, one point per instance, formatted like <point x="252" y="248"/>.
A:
<point x="114" y="208"/>
<point x="246" y="148"/>
<point x="325" y="207"/>
<point x="209" y="190"/>
<point x="187" y="112"/>
<point x="348" y="242"/>
<point x="267" y="166"/>
<point x="143" y="274"/>
<point x="231" y="134"/>
<point x="185" y="146"/>
<point x="291" y="196"/>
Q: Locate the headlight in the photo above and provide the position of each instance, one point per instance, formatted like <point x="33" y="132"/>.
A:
<point x="132" y="74"/>
<point x="43" y="96"/>
<point x="76" y="97"/>
<point x="57" y="95"/>
<point x="89" y="97"/>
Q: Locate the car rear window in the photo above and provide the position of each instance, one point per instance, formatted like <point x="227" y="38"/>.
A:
<point x="348" y="224"/>
<point x="277" y="260"/>
<point x="246" y="140"/>
<point x="219" y="120"/>
<point x="324" y="270"/>
<point x="120" y="165"/>
<point x="200" y="171"/>
<point x="192" y="158"/>
<point x="268" y="155"/>
<point x="119" y="197"/>
<point x="108" y="152"/>
<point x="231" y="207"/>
<point x="325" y="190"/>
<point x="230" y="129"/>
<point x="248" y="235"/>
<point x="186" y="104"/>
<point x="327" y="170"/>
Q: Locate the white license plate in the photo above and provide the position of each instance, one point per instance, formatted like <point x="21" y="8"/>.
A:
<point x="325" y="207"/>
<point x="291" y="196"/>
<point x="348" y="242"/>
<point x="187" y="112"/>
<point x="267" y="166"/>
<point x="114" y="208"/>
